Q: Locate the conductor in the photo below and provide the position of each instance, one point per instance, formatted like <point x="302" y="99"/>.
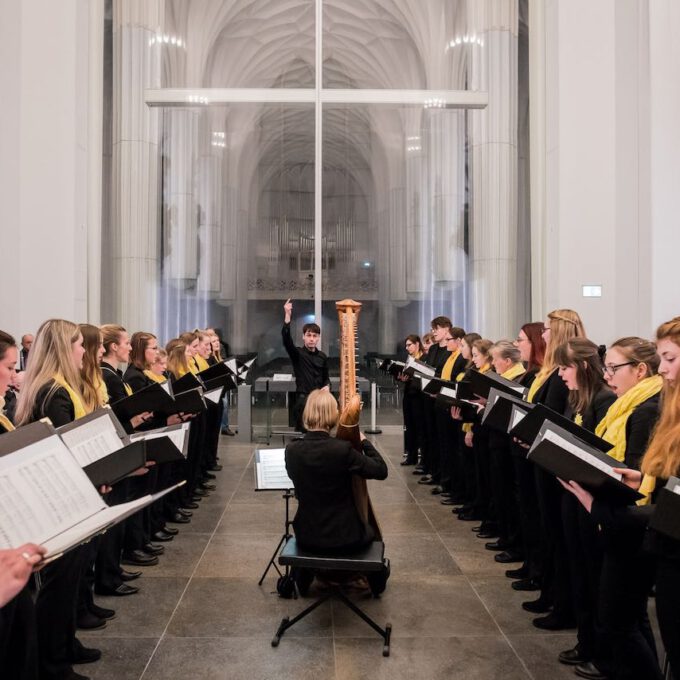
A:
<point x="310" y="365"/>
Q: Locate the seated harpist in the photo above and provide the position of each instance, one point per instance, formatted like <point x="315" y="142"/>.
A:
<point x="321" y="467"/>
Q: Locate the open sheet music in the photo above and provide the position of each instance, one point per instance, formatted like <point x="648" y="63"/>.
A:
<point x="270" y="470"/>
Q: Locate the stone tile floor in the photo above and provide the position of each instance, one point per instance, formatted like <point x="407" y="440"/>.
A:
<point x="201" y="615"/>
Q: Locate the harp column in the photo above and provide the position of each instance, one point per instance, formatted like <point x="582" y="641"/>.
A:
<point x="134" y="204"/>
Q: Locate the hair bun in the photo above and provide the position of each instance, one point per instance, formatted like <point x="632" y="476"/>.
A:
<point x="602" y="351"/>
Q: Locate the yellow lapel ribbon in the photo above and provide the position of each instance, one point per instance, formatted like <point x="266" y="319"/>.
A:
<point x="448" y="366"/>
<point x="514" y="372"/>
<point x="154" y="376"/>
<point x="78" y="407"/>
<point x="536" y="385"/>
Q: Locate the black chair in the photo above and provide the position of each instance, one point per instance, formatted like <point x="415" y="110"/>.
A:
<point x="370" y="560"/>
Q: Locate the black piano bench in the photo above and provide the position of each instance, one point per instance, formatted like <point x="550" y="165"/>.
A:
<point x="370" y="559"/>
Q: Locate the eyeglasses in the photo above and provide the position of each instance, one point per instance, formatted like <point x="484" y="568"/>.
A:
<point x="611" y="369"/>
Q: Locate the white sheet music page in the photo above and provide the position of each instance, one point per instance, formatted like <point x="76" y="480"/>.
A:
<point x="517" y="416"/>
<point x="271" y="470"/>
<point x="448" y="392"/>
<point x="43" y="492"/>
<point x="214" y="395"/>
<point x="93" y="440"/>
<point x="177" y="435"/>
<point x="282" y="377"/>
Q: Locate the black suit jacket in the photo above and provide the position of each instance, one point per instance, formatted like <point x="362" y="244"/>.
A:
<point x="321" y="468"/>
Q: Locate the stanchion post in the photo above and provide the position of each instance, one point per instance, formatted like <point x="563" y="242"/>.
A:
<point x="374" y="429"/>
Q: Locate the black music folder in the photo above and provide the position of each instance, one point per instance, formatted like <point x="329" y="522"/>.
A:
<point x="482" y="383"/>
<point x="186" y="382"/>
<point x="413" y="366"/>
<point x="190" y="401"/>
<point x="101" y="447"/>
<point x="153" y="399"/>
<point x="528" y="428"/>
<point x="571" y="459"/>
<point x="396" y="368"/>
<point x="448" y="397"/>
<point x="165" y="444"/>
<point x="498" y="410"/>
<point x="434" y="385"/>
<point x="666" y="516"/>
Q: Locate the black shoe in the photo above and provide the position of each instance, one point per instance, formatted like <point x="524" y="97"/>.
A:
<point x="470" y="516"/>
<point x="205" y="486"/>
<point x="553" y="622"/>
<point x="187" y="508"/>
<point x="527" y="585"/>
<point x="86" y="654"/>
<point x="508" y="557"/>
<point x="477" y="529"/>
<point x="486" y="533"/>
<point x="572" y="657"/>
<point x="419" y="470"/>
<point x="199" y="493"/>
<point x="119" y="591"/>
<point x="520" y="573"/>
<point x="209" y="475"/>
<point x="153" y="549"/>
<point x="447" y="501"/>
<point x="89" y="621"/>
<point x="129" y="575"/>
<point x="139" y="558"/>
<point x="215" y="468"/>
<point x="162" y="536"/>
<point x="102" y="612"/>
<point x="589" y="670"/>
<point x="173" y="531"/>
<point x="539" y="606"/>
<point x="498" y="545"/>
<point x="426" y="479"/>
<point x="435" y="491"/>
<point x="228" y="431"/>
<point x="179" y="518"/>
<point x="406" y="461"/>
<point x="72" y="675"/>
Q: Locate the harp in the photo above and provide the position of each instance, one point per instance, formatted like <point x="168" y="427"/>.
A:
<point x="350" y="403"/>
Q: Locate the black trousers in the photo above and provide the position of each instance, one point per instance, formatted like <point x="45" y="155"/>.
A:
<point x="412" y="406"/>
<point x="107" y="568"/>
<point x="482" y="505"/>
<point x="502" y="483"/>
<point x="529" y="517"/>
<point x="450" y="474"/>
<point x="556" y="585"/>
<point x="55" y="611"/>
<point x="466" y="455"/>
<point x="18" y="639"/>
<point x="431" y="453"/>
<point x="625" y="583"/>
<point x="585" y="565"/>
<point x="668" y="609"/>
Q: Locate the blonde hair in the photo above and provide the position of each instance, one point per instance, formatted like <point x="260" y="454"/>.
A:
<point x="111" y="334"/>
<point x="177" y="360"/>
<point x="662" y="458"/>
<point x="321" y="411"/>
<point x="565" y="324"/>
<point x="51" y="355"/>
<point x="91" y="372"/>
<point x="506" y="350"/>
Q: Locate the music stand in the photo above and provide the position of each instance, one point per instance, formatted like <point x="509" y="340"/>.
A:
<point x="271" y="475"/>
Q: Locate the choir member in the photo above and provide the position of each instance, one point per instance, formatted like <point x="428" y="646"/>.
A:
<point x="412" y="406"/>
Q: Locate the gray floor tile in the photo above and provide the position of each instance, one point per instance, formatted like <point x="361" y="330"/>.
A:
<point x="181" y="554"/>
<point x="478" y="658"/>
<point x="253" y="518"/>
<point x="403" y="518"/>
<point x="246" y="557"/>
<point x="218" y="607"/>
<point x="122" y="658"/>
<point x="242" y="659"/>
<point x="539" y="654"/>
<point x="412" y="557"/>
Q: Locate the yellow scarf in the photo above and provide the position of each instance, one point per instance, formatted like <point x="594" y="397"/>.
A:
<point x="646" y="489"/>
<point x="485" y="369"/>
<point x="102" y="393"/>
<point x="193" y="366"/>
<point x="4" y="420"/>
<point x="78" y="407"/>
<point x="536" y="385"/>
<point x="612" y="427"/>
<point x="154" y="376"/>
<point x="514" y="372"/>
<point x="201" y="363"/>
<point x="448" y="366"/>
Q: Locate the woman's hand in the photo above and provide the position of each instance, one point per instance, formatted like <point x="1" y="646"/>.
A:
<point x="469" y="437"/>
<point x="519" y="442"/>
<point x="631" y="478"/>
<point x="585" y="498"/>
<point x="174" y="419"/>
<point x="456" y="413"/>
<point x="140" y="419"/>
<point x="362" y="436"/>
<point x="16" y="566"/>
<point x="104" y="489"/>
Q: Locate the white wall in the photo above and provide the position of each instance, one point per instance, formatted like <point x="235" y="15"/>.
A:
<point x="606" y="85"/>
<point x="43" y="162"/>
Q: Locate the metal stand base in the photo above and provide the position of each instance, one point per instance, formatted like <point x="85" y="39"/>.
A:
<point x="287" y="495"/>
<point x="286" y="623"/>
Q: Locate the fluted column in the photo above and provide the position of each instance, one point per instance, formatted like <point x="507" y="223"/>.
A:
<point x="493" y="151"/>
<point x="134" y="216"/>
<point x="180" y="265"/>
